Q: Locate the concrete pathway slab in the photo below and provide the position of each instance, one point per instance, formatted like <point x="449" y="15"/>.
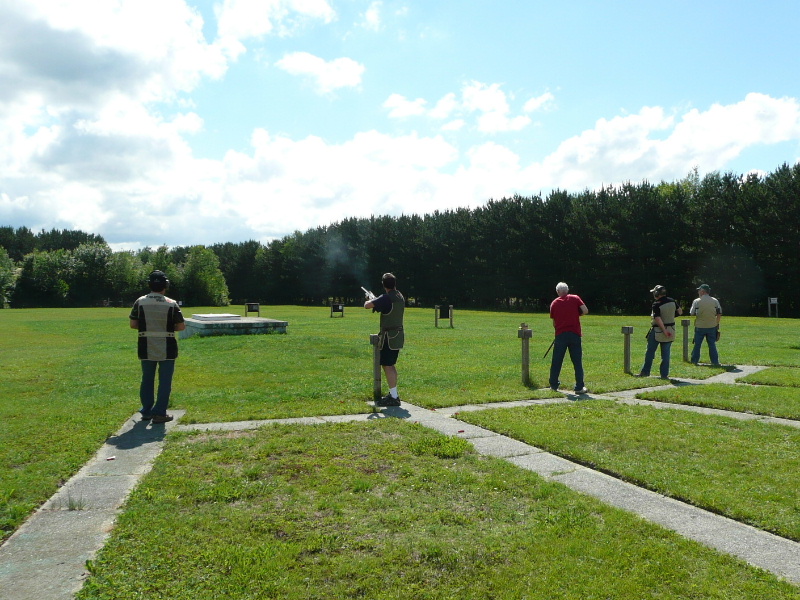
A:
<point x="500" y="446"/>
<point x="45" y="559"/>
<point x="773" y="553"/>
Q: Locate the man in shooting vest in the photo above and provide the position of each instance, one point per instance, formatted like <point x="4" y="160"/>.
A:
<point x="391" y="305"/>
<point x="707" y="312"/>
<point x="157" y="318"/>
<point x="662" y="331"/>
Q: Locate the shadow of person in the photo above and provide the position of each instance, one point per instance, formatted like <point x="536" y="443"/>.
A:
<point x="398" y="412"/>
<point x="138" y="434"/>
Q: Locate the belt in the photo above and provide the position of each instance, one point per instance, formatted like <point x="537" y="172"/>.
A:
<point x="161" y="334"/>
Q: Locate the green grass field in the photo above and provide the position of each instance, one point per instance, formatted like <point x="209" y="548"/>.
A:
<point x="70" y="379"/>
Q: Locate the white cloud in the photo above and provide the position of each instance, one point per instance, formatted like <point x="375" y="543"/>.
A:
<point x="495" y="122"/>
<point x="326" y="76"/>
<point x="400" y="107"/>
<point x="111" y="46"/>
<point x="492" y="103"/>
<point x="239" y="20"/>
<point x="445" y="107"/>
<point x="488" y="101"/>
<point x="454" y="125"/>
<point x="372" y="17"/>
<point x="539" y="102"/>
<point x="653" y="145"/>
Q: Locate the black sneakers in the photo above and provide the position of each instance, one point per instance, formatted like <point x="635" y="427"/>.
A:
<point x="387" y="400"/>
<point x="161" y="418"/>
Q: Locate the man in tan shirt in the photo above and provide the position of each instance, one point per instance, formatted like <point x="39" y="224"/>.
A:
<point x="707" y="312"/>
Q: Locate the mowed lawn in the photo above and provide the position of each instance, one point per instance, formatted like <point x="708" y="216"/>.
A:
<point x="70" y="379"/>
<point x="387" y="509"/>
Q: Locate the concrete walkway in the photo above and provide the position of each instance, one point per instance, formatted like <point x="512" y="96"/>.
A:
<point x="46" y="558"/>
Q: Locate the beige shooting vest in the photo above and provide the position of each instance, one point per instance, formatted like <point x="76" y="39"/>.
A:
<point x="668" y="308"/>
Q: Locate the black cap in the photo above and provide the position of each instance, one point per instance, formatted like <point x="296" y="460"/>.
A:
<point x="158" y="277"/>
<point x="158" y="281"/>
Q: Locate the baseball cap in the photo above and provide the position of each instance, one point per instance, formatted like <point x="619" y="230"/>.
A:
<point x="158" y="277"/>
<point x="658" y="289"/>
<point x="704" y="287"/>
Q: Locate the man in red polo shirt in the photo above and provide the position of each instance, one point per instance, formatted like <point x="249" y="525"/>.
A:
<point x="566" y="312"/>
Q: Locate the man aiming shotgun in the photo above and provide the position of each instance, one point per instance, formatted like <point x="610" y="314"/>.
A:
<point x="391" y="305"/>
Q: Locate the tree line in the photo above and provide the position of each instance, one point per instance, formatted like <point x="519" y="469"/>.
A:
<point x="741" y="235"/>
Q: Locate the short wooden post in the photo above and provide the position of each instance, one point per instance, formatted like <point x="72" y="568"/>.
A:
<point x="436" y="315"/>
<point x="375" y="340"/>
<point x="685" y="323"/>
<point x="451" y="316"/>
<point x="628" y="331"/>
<point x="525" y="334"/>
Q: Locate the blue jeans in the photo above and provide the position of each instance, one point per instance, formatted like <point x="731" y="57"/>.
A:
<point x="572" y="342"/>
<point x="650" y="354"/>
<point x="709" y="334"/>
<point x="166" y="368"/>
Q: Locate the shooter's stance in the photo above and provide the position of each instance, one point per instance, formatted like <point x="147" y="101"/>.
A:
<point x="707" y="312"/>
<point x="566" y="312"/>
<point x="391" y="305"/>
<point x="662" y="331"/>
<point x="157" y="318"/>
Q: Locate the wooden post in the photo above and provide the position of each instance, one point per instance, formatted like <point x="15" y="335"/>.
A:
<point x="525" y="334"/>
<point x="436" y="318"/>
<point x="375" y="340"/>
<point x="451" y="316"/>
<point x="628" y="331"/>
<point x="685" y="323"/>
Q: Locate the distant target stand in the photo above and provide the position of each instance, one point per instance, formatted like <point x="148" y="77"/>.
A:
<point x="770" y="303"/>
<point x="337" y="308"/>
<point x="443" y="311"/>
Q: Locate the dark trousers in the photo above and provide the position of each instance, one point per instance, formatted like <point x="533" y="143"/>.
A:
<point x="572" y="342"/>
<point x="151" y="405"/>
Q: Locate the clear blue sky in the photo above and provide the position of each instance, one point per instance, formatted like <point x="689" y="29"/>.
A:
<point x="195" y="122"/>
